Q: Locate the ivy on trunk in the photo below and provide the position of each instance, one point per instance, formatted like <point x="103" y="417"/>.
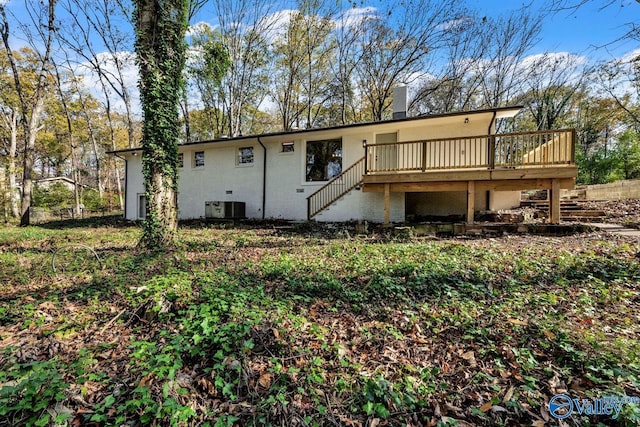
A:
<point x="160" y="48"/>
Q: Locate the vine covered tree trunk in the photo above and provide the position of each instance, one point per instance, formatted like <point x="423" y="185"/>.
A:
<point x="160" y="46"/>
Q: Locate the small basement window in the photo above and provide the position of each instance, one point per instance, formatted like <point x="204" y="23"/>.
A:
<point x="198" y="159"/>
<point x="142" y="206"/>
<point x="245" y="156"/>
<point x="288" y="147"/>
<point x="180" y="160"/>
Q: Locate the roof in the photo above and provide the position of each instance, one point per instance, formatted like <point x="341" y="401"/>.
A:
<point x="501" y="112"/>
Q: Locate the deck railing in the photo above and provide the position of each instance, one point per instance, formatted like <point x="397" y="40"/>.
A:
<point x="511" y="150"/>
<point x="336" y="188"/>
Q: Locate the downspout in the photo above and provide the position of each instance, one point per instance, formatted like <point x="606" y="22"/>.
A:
<point x="493" y="119"/>
<point x="264" y="177"/>
<point x="126" y="177"/>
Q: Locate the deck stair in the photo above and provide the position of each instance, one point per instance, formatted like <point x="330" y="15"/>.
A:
<point x="569" y="210"/>
<point x="329" y="194"/>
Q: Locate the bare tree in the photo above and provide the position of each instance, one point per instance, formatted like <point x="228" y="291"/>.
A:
<point x="244" y="26"/>
<point x="300" y="82"/>
<point x="508" y="40"/>
<point x="620" y="80"/>
<point x="96" y="25"/>
<point x="553" y="81"/>
<point x="72" y="138"/>
<point x="344" y="61"/>
<point x="455" y="86"/>
<point x="399" y="51"/>
<point x="43" y="20"/>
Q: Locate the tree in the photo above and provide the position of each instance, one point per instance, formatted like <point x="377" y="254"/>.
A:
<point x="302" y="55"/>
<point x="343" y="64"/>
<point x="244" y="26"/>
<point x="9" y="113"/>
<point x="209" y="63"/>
<point x="399" y="51"/>
<point x="552" y="87"/>
<point x="455" y="86"/>
<point x="102" y="24"/>
<point x="507" y="39"/>
<point x="596" y="122"/>
<point x="627" y="154"/>
<point x="31" y="109"/>
<point x="160" y="47"/>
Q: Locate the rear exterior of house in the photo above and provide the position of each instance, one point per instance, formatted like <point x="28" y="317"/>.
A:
<point x="451" y="164"/>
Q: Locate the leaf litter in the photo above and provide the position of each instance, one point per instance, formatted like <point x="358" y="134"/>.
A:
<point x="263" y="326"/>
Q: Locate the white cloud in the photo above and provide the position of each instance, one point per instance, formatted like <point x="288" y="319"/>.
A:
<point x="198" y="27"/>
<point x="631" y="56"/>
<point x="354" y="16"/>
<point x="553" y="59"/>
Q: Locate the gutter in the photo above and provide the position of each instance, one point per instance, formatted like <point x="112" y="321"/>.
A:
<point x="126" y="177"/>
<point x="264" y="177"/>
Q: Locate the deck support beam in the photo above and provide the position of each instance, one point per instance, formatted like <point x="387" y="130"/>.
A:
<point x="471" y="200"/>
<point x="554" y="202"/>
<point x="386" y="203"/>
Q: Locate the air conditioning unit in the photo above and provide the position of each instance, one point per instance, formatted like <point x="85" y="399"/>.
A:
<point x="224" y="210"/>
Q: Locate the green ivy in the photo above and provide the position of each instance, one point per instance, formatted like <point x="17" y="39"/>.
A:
<point x="160" y="47"/>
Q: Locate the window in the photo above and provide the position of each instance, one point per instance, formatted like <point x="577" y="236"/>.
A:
<point x="198" y="159"/>
<point x="180" y="160"/>
<point x="288" y="147"/>
<point x="142" y="206"/>
<point x="245" y="156"/>
<point x="324" y="159"/>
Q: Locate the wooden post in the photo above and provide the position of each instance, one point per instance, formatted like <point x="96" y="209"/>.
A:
<point x="386" y="203"/>
<point x="424" y="156"/>
<point x="554" y="202"/>
<point x="471" y="201"/>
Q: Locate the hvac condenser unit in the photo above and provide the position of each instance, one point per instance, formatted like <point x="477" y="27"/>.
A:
<point x="224" y="210"/>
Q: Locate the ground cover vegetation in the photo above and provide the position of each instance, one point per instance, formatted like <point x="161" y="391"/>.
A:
<point x="267" y="325"/>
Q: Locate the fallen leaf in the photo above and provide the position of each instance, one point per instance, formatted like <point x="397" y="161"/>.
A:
<point x="470" y="357"/>
<point x="508" y="395"/>
<point x="518" y="322"/>
<point x="265" y="380"/>
<point x="486" y="406"/>
<point x="549" y="334"/>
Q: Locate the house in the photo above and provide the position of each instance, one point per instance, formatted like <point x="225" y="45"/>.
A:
<point x="389" y="171"/>
<point x="46" y="183"/>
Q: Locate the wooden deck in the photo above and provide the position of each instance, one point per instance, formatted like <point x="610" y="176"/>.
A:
<point x="506" y="162"/>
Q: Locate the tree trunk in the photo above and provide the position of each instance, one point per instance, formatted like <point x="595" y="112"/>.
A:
<point x="30" y="117"/>
<point x="160" y="46"/>
<point x="11" y="120"/>
<point x="29" y="160"/>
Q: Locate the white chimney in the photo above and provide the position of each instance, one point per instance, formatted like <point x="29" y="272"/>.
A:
<point x="400" y="102"/>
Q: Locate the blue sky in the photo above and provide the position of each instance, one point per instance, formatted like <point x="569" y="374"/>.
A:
<point x="588" y="30"/>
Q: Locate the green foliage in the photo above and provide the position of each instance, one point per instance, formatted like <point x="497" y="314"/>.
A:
<point x="55" y="195"/>
<point x="28" y="390"/>
<point x="627" y="156"/>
